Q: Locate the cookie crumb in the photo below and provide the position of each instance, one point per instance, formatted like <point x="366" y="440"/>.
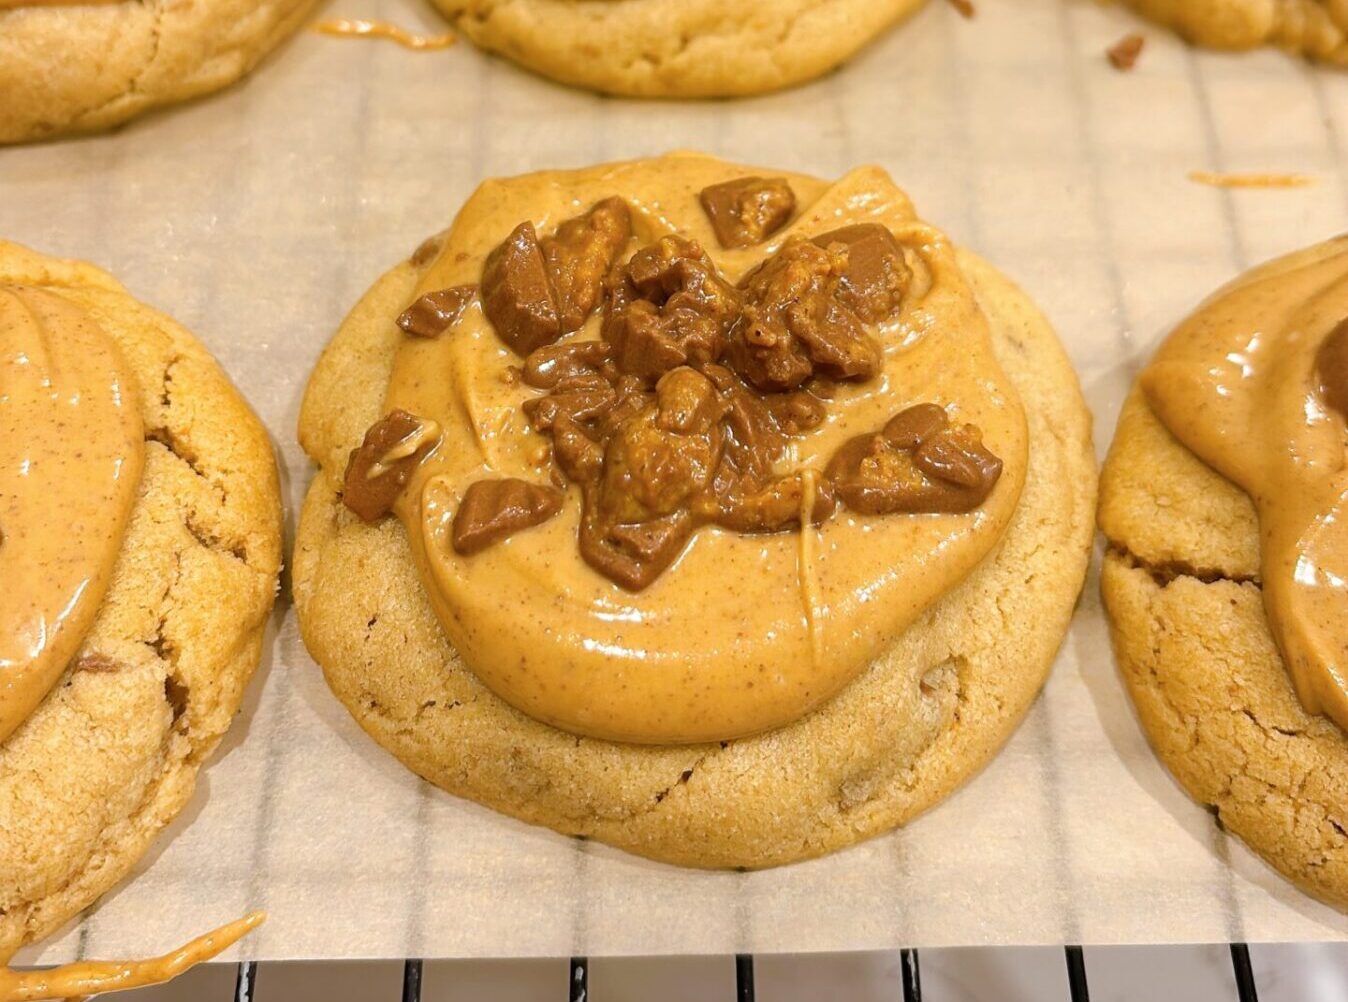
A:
<point x="1123" y="53"/>
<point x="965" y="8"/>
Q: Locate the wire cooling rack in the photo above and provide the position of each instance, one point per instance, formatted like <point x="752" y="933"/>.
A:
<point x="578" y="980"/>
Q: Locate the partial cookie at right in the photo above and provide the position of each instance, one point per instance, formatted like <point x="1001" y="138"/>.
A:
<point x="1316" y="29"/>
<point x="1182" y="584"/>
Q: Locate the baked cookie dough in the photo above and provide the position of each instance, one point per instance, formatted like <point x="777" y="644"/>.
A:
<point x="111" y="753"/>
<point x="68" y="67"/>
<point x="917" y="722"/>
<point x="676" y="48"/>
<point x="1183" y="584"/>
<point x="1316" y="29"/>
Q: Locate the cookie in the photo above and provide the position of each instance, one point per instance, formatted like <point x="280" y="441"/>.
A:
<point x="82" y="67"/>
<point x="1316" y="29"/>
<point x="1183" y="583"/>
<point x="676" y="48"/>
<point x="917" y="722"/>
<point x="110" y="755"/>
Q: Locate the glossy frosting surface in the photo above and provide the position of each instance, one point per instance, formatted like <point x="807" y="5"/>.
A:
<point x="744" y="632"/>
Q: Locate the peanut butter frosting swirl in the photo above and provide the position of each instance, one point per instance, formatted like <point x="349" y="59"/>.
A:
<point x="71" y="455"/>
<point x="1255" y="383"/>
<point x="769" y="599"/>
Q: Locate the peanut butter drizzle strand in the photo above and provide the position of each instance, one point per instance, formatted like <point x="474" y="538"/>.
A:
<point x="71" y="454"/>
<point x="722" y="644"/>
<point x="1238" y="384"/>
<point x="96" y="977"/>
<point x="343" y="27"/>
<point x="1218" y="179"/>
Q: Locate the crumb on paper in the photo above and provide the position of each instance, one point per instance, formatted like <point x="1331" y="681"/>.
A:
<point x="1123" y="53"/>
<point x="965" y="7"/>
<point x="1219" y="179"/>
<point x="342" y="27"/>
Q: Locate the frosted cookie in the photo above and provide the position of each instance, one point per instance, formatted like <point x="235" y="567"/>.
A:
<point x="1224" y="499"/>
<point x="79" y="67"/>
<point x="727" y="516"/>
<point x="1317" y="29"/>
<point x="139" y="547"/>
<point x="676" y="48"/>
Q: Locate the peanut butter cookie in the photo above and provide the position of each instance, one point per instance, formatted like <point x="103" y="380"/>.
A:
<point x="676" y="48"/>
<point x="819" y="769"/>
<point x="109" y="751"/>
<point x="1316" y="29"/>
<point x="79" y="67"/>
<point x="1205" y="609"/>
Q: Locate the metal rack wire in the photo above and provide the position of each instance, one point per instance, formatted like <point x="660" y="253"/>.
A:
<point x="578" y="982"/>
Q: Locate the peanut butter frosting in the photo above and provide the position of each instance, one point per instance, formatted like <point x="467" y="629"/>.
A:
<point x="754" y="615"/>
<point x="71" y="455"/>
<point x="1255" y="383"/>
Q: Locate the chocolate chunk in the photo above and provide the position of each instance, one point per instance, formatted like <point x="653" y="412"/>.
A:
<point x="516" y="294"/>
<point x="491" y="510"/>
<point x="666" y="308"/>
<point x="435" y="312"/>
<point x="748" y="210"/>
<point x="1331" y="369"/>
<point x="794" y="326"/>
<point x="918" y="463"/>
<point x="876" y="277"/>
<point x="380" y="467"/>
<point x="547" y="366"/>
<point x="632" y="556"/>
<point x="775" y="506"/>
<point x="580" y="254"/>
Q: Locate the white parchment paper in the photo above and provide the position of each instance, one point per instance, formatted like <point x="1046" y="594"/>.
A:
<point x="259" y="216"/>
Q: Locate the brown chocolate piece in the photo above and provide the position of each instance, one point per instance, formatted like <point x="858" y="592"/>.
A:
<point x="516" y="294"/>
<point x="632" y="556"/>
<point x="876" y="277"/>
<point x="580" y="254"/>
<point x="535" y="291"/>
<point x="774" y="506"/>
<point x="547" y="366"/>
<point x="1123" y="53"/>
<point x="1331" y="369"/>
<point x="667" y="307"/>
<point x="491" y="510"/>
<point x="748" y="210"/>
<point x="919" y="462"/>
<point x="794" y="324"/>
<point x="380" y="467"/>
<point x="435" y="312"/>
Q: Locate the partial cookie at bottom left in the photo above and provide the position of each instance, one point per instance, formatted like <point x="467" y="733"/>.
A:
<point x="110" y="705"/>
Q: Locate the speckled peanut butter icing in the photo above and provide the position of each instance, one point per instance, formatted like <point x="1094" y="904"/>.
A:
<point x="744" y="632"/>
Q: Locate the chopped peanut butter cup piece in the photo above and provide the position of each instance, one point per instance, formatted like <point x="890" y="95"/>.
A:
<point x="535" y="291"/>
<point x="876" y="277"/>
<point x="748" y="210"/>
<point x="516" y="295"/>
<point x="491" y="510"/>
<point x="795" y="324"/>
<point x="667" y="307"/>
<point x="580" y="254"/>
<point x="918" y="463"/>
<point x="380" y="467"/>
<point x="436" y="312"/>
<point x="1331" y="369"/>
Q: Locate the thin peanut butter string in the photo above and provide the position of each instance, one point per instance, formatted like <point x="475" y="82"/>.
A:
<point x="345" y="27"/>
<point x="92" y="977"/>
<point x="1237" y="385"/>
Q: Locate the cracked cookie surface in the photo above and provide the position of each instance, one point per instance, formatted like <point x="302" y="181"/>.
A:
<point x="919" y="722"/>
<point x="676" y="48"/>
<point x="84" y="67"/>
<point x="111" y="755"/>
<point x="1317" y="29"/>
<point x="1181" y="585"/>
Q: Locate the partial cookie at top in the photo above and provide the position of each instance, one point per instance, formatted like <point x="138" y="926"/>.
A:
<point x="1317" y="29"/>
<point x="68" y="68"/>
<point x="1181" y="586"/>
<point x="923" y="718"/>
<point x="676" y="48"/>
<point x="111" y="755"/>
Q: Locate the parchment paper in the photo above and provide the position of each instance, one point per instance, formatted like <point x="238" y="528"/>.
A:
<point x="259" y="216"/>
